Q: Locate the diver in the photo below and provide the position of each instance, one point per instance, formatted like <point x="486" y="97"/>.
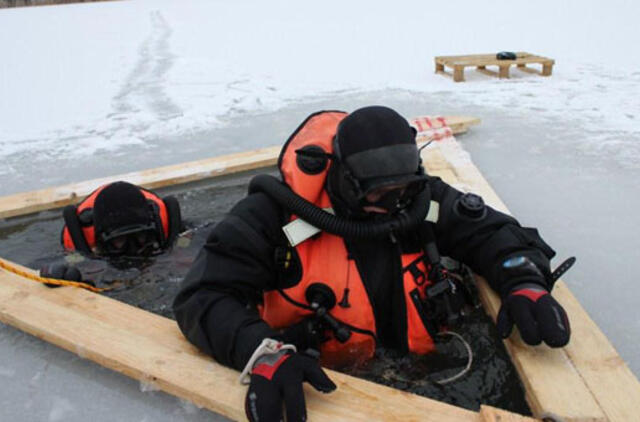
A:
<point x="342" y="254"/>
<point x="117" y="220"/>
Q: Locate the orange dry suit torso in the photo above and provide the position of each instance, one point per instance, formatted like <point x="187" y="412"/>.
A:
<point x="324" y="259"/>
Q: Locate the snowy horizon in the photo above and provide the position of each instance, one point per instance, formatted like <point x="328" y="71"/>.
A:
<point x="119" y="78"/>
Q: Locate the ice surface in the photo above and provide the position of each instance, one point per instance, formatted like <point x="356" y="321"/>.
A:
<point x="148" y="386"/>
<point x="143" y="83"/>
<point x="49" y="383"/>
<point x="61" y="410"/>
<point x="99" y="89"/>
<point x="7" y="372"/>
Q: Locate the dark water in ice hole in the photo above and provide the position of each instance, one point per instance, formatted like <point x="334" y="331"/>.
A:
<point x="492" y="380"/>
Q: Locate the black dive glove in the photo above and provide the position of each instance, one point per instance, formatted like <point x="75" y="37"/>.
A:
<point x="61" y="272"/>
<point x="279" y="376"/>
<point x="538" y="316"/>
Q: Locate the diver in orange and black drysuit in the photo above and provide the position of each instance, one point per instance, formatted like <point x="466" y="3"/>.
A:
<point x="344" y="254"/>
<point x="121" y="219"/>
<point x="118" y="219"/>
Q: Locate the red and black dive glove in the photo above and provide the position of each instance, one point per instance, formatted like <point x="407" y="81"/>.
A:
<point x="538" y="316"/>
<point x="279" y="376"/>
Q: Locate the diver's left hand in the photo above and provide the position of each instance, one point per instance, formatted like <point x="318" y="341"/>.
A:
<point x="538" y="316"/>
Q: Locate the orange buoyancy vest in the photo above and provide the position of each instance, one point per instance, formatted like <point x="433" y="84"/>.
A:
<point x="88" y="228"/>
<point x="324" y="259"/>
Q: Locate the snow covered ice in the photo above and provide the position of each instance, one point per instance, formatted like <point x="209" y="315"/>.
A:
<point x="99" y="89"/>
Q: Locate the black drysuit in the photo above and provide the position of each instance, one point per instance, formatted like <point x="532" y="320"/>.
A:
<point x="215" y="307"/>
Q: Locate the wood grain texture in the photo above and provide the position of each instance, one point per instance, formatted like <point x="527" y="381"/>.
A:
<point x="56" y="197"/>
<point x="151" y="348"/>
<point x="491" y="414"/>
<point x="584" y="381"/>
<point x="481" y="61"/>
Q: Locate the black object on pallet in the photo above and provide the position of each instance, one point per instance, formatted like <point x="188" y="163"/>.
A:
<point x="506" y="55"/>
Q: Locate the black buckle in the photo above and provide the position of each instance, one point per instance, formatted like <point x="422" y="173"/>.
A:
<point x="282" y="257"/>
<point x="419" y="276"/>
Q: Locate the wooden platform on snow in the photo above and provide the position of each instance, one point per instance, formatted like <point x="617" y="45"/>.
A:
<point x="480" y="61"/>
<point x="585" y="381"/>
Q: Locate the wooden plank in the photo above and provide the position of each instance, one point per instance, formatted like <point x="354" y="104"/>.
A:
<point x="24" y="203"/>
<point x="586" y="380"/>
<point x="490" y="59"/>
<point x="553" y="384"/>
<point x="39" y="200"/>
<point x="151" y="348"/>
<point x="491" y="414"/>
<point x="458" y="73"/>
<point x="612" y="382"/>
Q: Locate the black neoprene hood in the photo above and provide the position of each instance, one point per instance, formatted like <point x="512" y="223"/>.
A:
<point x="378" y="147"/>
<point x="119" y="205"/>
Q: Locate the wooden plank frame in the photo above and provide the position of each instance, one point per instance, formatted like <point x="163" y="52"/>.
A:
<point x="585" y="381"/>
<point x="481" y="61"/>
<point x="151" y="348"/>
<point x="56" y="197"/>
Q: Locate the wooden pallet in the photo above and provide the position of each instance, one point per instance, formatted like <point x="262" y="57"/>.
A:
<point x="481" y="61"/>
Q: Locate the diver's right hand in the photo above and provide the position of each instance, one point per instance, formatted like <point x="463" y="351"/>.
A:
<point x="61" y="272"/>
<point x="279" y="376"/>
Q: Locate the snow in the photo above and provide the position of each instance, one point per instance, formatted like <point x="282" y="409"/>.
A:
<point x="98" y="89"/>
<point x="135" y="78"/>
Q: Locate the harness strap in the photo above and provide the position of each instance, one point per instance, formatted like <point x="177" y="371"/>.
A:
<point x="75" y="229"/>
<point x="175" y="218"/>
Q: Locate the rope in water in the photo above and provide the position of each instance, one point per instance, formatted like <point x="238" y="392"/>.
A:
<point x="30" y="276"/>
<point x="469" y="360"/>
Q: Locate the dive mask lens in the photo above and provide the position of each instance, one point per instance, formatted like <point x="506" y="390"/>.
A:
<point x="132" y="240"/>
<point x="412" y="190"/>
<point x="117" y="245"/>
<point x="146" y="243"/>
<point x="389" y="200"/>
<point x="394" y="200"/>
